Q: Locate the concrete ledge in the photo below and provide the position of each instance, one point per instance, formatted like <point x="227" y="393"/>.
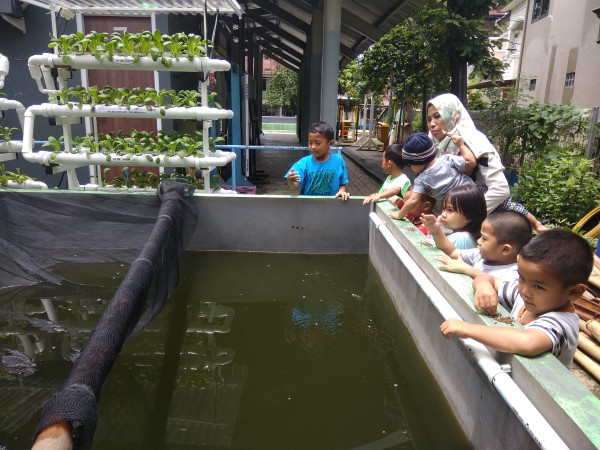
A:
<point x="568" y="406"/>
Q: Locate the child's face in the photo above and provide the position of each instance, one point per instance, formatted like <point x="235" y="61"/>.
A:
<point x="487" y="244"/>
<point x="386" y="164"/>
<point x="319" y="145"/>
<point x="540" y="289"/>
<point x="451" y="217"/>
<point x="435" y="123"/>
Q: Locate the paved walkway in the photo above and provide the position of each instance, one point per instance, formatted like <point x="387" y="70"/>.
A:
<point x="364" y="167"/>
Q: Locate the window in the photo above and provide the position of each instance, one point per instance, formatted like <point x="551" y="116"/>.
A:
<point x="570" y="79"/>
<point x="540" y="9"/>
<point x="532" y="84"/>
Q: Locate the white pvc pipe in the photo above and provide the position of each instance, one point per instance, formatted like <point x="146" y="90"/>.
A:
<point x="533" y="421"/>
<point x="27" y="184"/>
<point x="52" y="110"/>
<point x="11" y="146"/>
<point x="125" y="62"/>
<point x="6" y="104"/>
<point x="217" y="158"/>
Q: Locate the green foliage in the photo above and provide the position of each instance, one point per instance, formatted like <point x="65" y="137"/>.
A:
<point x="351" y="83"/>
<point x="533" y="129"/>
<point x="560" y="187"/>
<point x="475" y="100"/>
<point x="154" y="45"/>
<point x="6" y="176"/>
<point x="282" y="90"/>
<point x="418" y="51"/>
<point x="6" y="132"/>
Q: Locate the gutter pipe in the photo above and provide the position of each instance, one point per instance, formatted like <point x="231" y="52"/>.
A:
<point x="533" y="421"/>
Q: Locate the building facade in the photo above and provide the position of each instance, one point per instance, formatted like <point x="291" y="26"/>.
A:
<point x="553" y="48"/>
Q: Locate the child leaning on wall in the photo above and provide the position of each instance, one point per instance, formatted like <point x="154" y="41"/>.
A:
<point x="436" y="174"/>
<point x="397" y="183"/>
<point x="503" y="235"/>
<point x="553" y="269"/>
<point x="320" y="173"/>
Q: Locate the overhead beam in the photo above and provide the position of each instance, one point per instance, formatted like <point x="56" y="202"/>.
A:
<point x="360" y="26"/>
<point x="276" y="29"/>
<point x="277" y="51"/>
<point x="287" y="17"/>
<point x="286" y="48"/>
<point x="281" y="61"/>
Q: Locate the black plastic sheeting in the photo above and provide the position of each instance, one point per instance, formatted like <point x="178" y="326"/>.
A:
<point x="149" y="233"/>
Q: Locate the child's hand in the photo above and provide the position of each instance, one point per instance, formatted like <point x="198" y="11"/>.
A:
<point x="458" y="140"/>
<point x="371" y="198"/>
<point x="486" y="298"/>
<point x="395" y="215"/>
<point x="397" y="201"/>
<point x="293" y="176"/>
<point x="452" y="265"/>
<point x="454" y="327"/>
<point x="343" y="195"/>
<point x="432" y="223"/>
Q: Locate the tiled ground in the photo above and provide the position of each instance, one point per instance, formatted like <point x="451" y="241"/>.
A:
<point x="275" y="163"/>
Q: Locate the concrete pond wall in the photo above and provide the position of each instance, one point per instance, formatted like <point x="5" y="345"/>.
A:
<point x="407" y="266"/>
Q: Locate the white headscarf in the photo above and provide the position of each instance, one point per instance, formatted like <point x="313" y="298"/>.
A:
<point x="459" y="122"/>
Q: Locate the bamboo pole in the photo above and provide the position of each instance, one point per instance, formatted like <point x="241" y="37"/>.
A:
<point x="589" y="347"/>
<point x="594" y="329"/>
<point x="588" y="364"/>
<point x="583" y="327"/>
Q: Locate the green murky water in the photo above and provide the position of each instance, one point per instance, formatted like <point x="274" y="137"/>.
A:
<point x="254" y="351"/>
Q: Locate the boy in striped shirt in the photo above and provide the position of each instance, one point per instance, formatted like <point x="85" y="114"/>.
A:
<point x="553" y="269"/>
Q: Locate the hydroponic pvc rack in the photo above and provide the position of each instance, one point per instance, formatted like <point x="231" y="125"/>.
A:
<point x="40" y="67"/>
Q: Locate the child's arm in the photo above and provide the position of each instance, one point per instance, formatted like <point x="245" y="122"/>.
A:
<point x="486" y="293"/>
<point x="408" y="206"/>
<point x="293" y="180"/>
<point x="509" y="340"/>
<point x="385" y="194"/>
<point x="342" y="193"/>
<point x="466" y="153"/>
<point x="457" y="265"/>
<point x="434" y="226"/>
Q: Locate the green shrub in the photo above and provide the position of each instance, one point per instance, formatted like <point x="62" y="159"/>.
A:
<point x="560" y="187"/>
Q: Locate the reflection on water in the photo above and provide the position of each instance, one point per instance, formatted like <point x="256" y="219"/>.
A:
<point x="253" y="351"/>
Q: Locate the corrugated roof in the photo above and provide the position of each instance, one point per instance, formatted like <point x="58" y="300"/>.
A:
<point x="282" y="25"/>
<point x="141" y="7"/>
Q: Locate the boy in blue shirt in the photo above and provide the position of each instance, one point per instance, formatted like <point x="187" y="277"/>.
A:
<point x="321" y="172"/>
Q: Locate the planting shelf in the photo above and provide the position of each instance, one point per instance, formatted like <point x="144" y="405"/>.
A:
<point x="40" y="67"/>
<point x="9" y="149"/>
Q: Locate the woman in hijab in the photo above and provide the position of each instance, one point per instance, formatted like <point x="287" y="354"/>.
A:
<point x="447" y="117"/>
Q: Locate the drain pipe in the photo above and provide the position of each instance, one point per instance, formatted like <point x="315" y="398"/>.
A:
<point x="537" y="426"/>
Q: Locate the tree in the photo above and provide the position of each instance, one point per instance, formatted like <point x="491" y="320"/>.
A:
<point x="282" y="90"/>
<point x="428" y="52"/>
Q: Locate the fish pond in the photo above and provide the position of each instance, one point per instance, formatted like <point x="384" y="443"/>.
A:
<point x="254" y="350"/>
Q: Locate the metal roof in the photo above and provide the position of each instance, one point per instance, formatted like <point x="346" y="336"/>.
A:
<point x="282" y="26"/>
<point x="140" y="7"/>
